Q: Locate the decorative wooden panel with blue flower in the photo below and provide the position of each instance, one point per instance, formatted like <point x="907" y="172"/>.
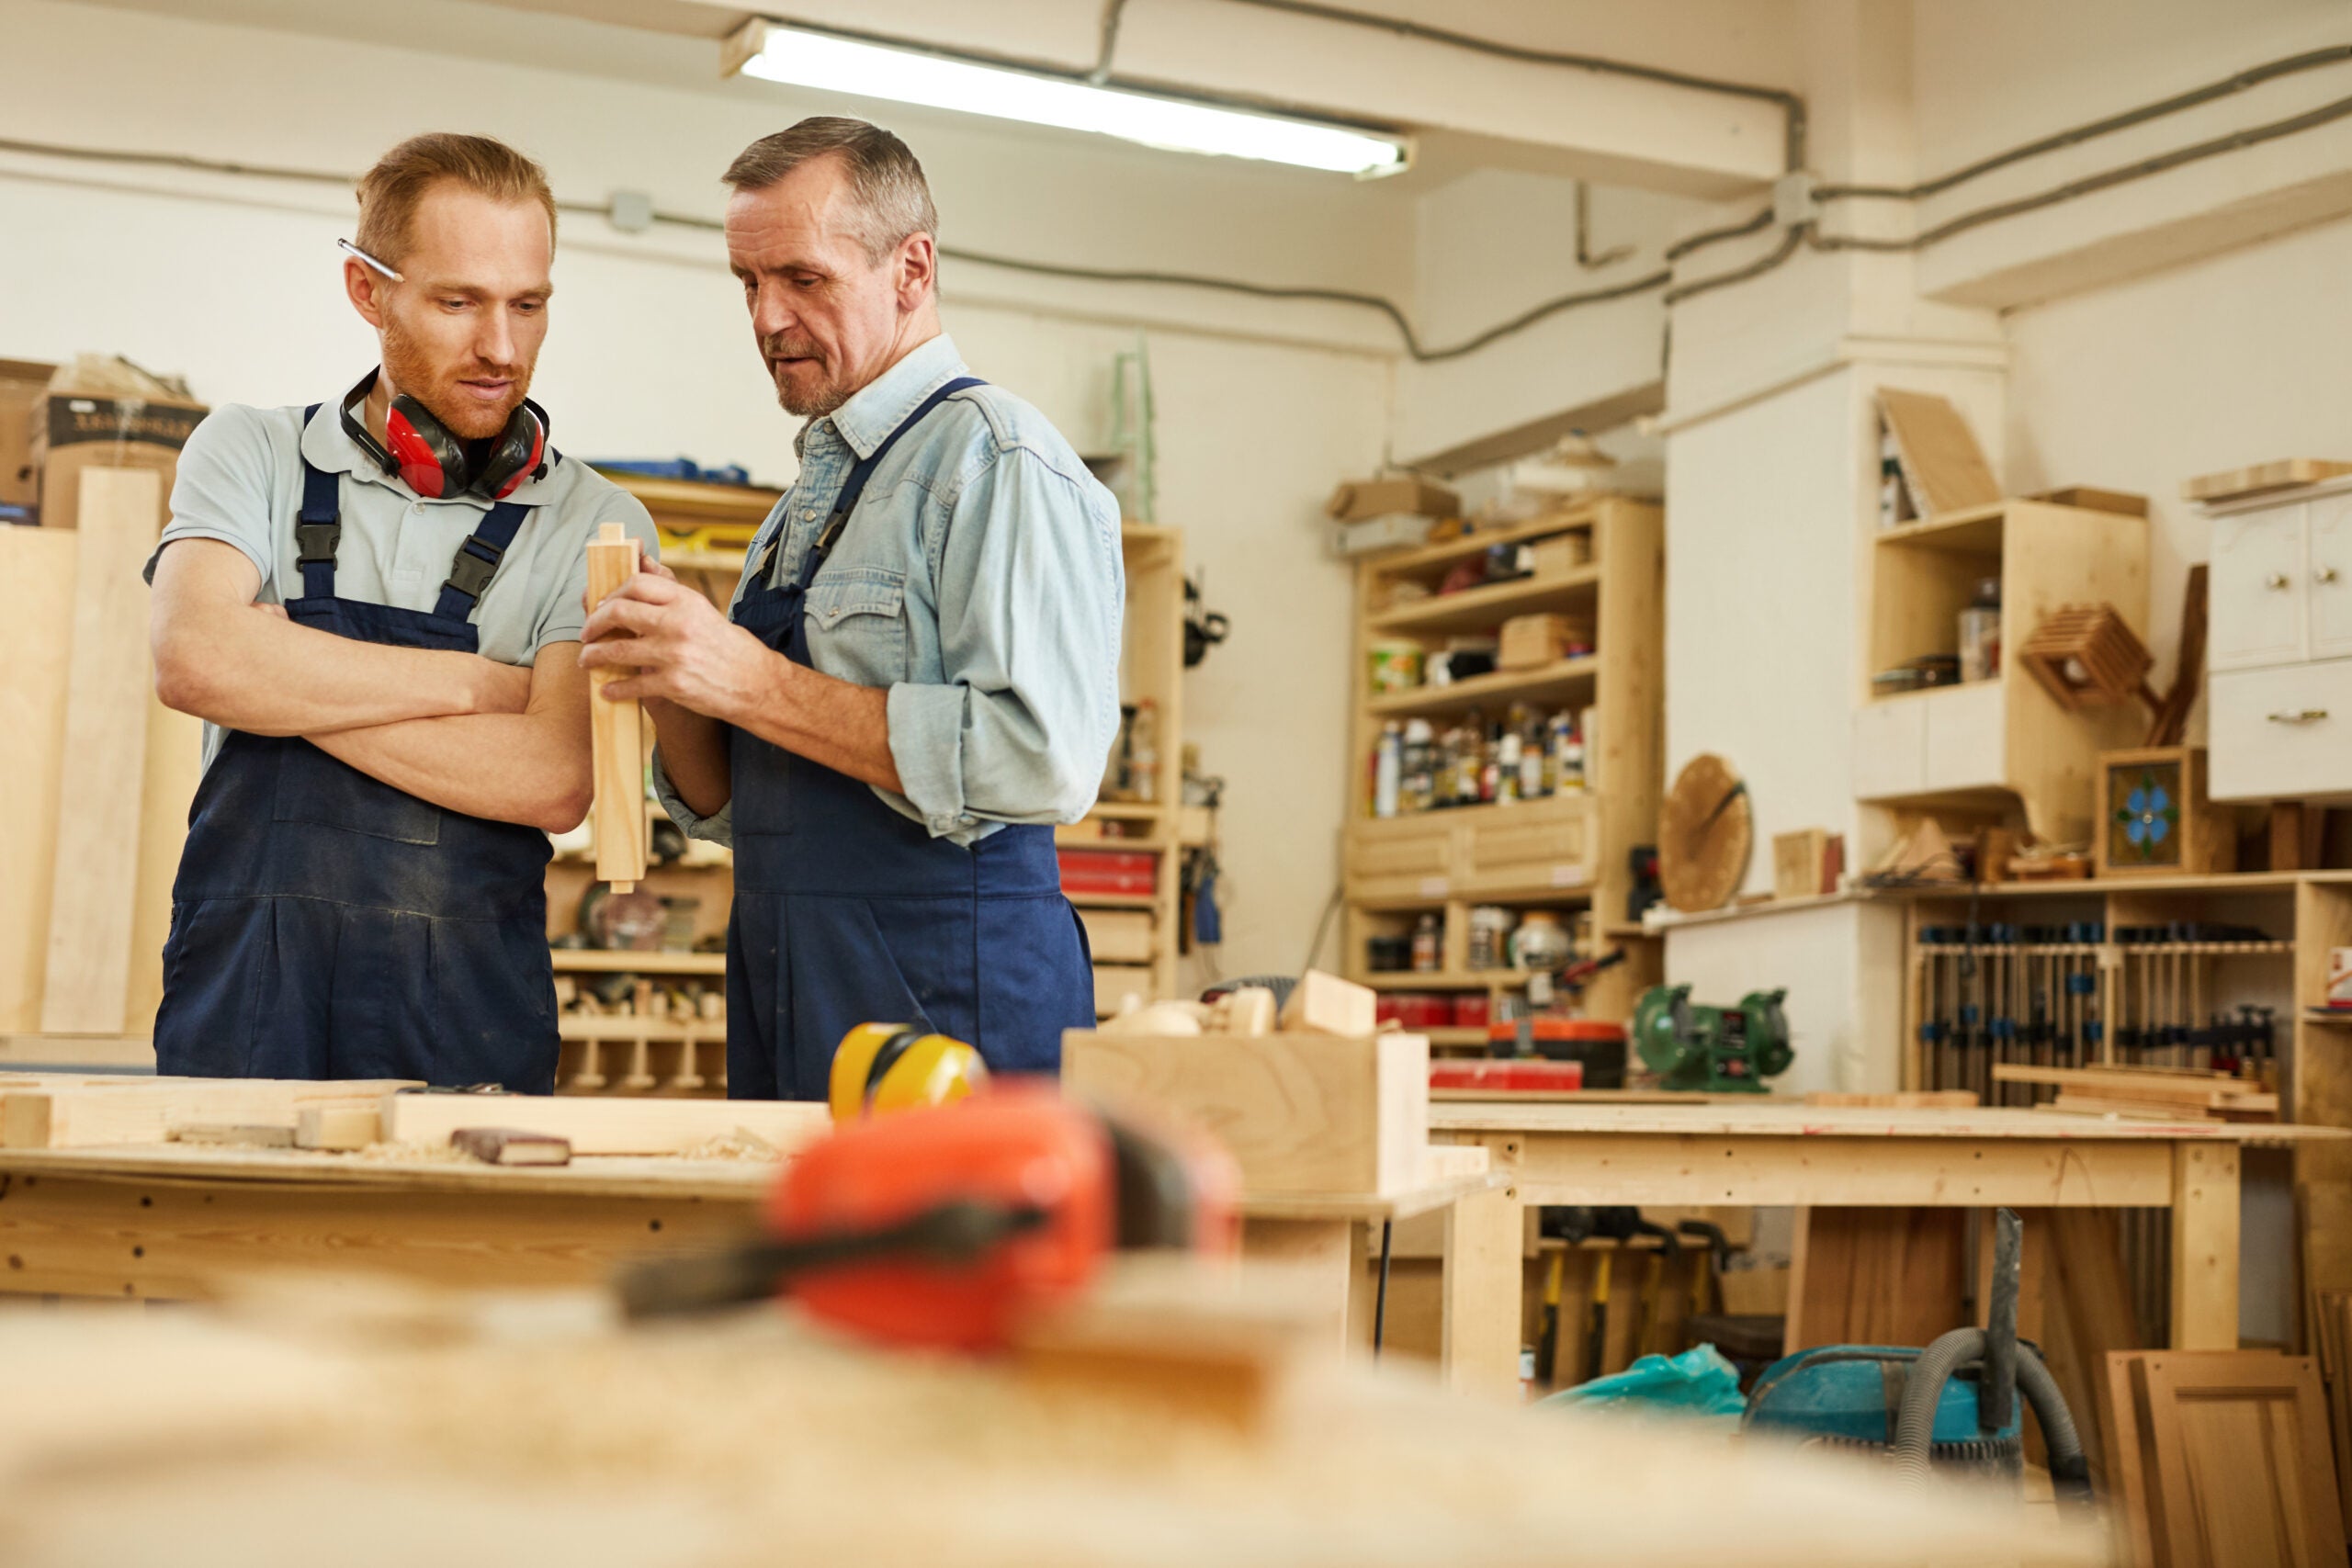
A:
<point x="2154" y="817"/>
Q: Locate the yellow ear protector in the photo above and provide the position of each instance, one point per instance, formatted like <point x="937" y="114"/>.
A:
<point x="895" y="1066"/>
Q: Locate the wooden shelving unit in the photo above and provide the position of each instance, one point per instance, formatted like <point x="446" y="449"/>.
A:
<point x="1151" y="666"/>
<point x="1565" y="852"/>
<point x="1987" y="748"/>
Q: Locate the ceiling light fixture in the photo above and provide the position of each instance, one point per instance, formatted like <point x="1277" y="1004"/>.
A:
<point x="803" y="57"/>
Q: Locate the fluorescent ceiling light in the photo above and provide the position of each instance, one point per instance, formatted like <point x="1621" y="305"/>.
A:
<point x="801" y="58"/>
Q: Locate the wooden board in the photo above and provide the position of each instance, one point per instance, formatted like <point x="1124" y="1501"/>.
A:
<point x="2244" y="1468"/>
<point x="2094" y="499"/>
<point x="1302" y="1114"/>
<point x="137" y="1112"/>
<point x="616" y="732"/>
<point x="1759" y="1116"/>
<point x="86" y="981"/>
<point x="643" y="1126"/>
<point x="1941" y="462"/>
<point x="1705" y="832"/>
<point x="2283" y="474"/>
<point x="2331" y="1336"/>
<point x="1876" y="1276"/>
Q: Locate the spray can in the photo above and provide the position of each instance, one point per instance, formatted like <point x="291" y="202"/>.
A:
<point x="1387" y="770"/>
<point x="1507" y="765"/>
<point x="1567" y="754"/>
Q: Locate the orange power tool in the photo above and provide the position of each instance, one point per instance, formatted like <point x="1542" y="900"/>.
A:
<point x="949" y="1226"/>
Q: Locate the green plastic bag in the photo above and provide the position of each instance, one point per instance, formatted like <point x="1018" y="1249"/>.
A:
<point x="1697" y="1383"/>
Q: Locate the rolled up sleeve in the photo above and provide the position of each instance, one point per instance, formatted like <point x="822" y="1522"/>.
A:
<point x="1031" y="593"/>
<point x="718" y="826"/>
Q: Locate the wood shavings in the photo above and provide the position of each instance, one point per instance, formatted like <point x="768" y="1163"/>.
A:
<point x="740" y="1144"/>
<point x="406" y="1153"/>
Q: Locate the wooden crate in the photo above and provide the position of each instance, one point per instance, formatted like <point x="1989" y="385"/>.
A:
<point x="1299" y="1112"/>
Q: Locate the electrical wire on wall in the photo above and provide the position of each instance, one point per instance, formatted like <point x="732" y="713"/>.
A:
<point x="1803" y="233"/>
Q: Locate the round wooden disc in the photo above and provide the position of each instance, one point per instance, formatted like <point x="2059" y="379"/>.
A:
<point x="1705" y="832"/>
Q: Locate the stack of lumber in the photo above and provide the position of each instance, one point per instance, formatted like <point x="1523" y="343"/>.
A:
<point x="2221" y="1459"/>
<point x="2154" y="1094"/>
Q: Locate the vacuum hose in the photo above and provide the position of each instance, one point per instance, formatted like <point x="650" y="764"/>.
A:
<point x="1914" y="1419"/>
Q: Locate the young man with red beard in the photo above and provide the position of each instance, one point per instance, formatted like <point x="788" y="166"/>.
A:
<point x="374" y="603"/>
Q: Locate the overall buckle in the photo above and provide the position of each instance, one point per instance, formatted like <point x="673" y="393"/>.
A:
<point x="472" y="571"/>
<point x="316" y="543"/>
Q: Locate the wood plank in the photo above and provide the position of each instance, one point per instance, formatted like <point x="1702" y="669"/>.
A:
<point x="1941" y="461"/>
<point x="37" y="602"/>
<point x="718" y="1179"/>
<point x="2205" y="1247"/>
<point x="1482" y="1287"/>
<point x="2088" y="1301"/>
<point x="1322" y="1003"/>
<point x="1304" y="1114"/>
<point x="1876" y="1276"/>
<point x="640" y="1126"/>
<point x="141" y="1112"/>
<point x="2283" y="473"/>
<point x="1317" y="1254"/>
<point x="616" y="731"/>
<point x="1761" y="1116"/>
<point x="2131" y="1488"/>
<point x="2243" y="1468"/>
<point x="177" y="1240"/>
<point x="337" y="1126"/>
<point x="86" y="981"/>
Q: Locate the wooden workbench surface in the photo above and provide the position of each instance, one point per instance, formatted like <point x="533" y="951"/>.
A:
<point x="1766" y="1119"/>
<point x="538" y="1434"/>
<point x="588" y="1177"/>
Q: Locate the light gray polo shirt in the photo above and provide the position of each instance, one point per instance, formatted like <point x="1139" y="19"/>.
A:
<point x="240" y="481"/>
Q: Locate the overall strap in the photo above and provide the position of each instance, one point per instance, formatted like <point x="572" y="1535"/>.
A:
<point x="318" y="529"/>
<point x="476" y="561"/>
<point x="853" y="487"/>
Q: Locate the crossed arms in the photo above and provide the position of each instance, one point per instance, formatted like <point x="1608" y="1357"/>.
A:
<point x="462" y="731"/>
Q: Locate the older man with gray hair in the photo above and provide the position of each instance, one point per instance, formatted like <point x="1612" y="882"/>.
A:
<point x="919" y="674"/>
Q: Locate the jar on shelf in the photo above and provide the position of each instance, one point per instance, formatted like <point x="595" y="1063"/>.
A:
<point x="1429" y="944"/>
<point x="1980" y="632"/>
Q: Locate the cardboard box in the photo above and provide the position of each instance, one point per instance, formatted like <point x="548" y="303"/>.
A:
<point x="1359" y="500"/>
<point x="1807" y="863"/>
<point x="1118" y="936"/>
<point x="22" y="381"/>
<point x="1561" y="554"/>
<point x="1530" y="642"/>
<point x="105" y="413"/>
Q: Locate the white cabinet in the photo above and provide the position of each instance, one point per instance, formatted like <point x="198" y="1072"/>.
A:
<point x="2280" y="648"/>
<point x="1966" y="741"/>
<point x="1891" y="748"/>
<point x="2327" y="525"/>
<point x="2255" y="586"/>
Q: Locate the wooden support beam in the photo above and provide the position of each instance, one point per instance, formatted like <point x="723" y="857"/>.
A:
<point x="86" y="984"/>
<point x="616" y="732"/>
<point x="1481" y="1288"/>
<point x="630" y="1126"/>
<point x="2205" y="1246"/>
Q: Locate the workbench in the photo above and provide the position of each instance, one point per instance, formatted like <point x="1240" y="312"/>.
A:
<point x="1773" y="1154"/>
<point x="169" y="1221"/>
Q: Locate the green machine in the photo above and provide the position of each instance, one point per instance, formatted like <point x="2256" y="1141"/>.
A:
<point x="1712" y="1050"/>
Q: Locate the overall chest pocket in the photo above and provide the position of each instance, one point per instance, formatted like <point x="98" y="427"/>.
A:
<point x="857" y="624"/>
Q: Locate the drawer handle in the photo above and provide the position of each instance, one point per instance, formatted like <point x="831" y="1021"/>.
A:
<point x="2276" y="579"/>
<point x="2326" y="574"/>
<point x="2300" y="716"/>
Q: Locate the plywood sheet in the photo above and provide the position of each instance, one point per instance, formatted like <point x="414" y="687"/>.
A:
<point x="95" y="878"/>
<point x="1941" y="462"/>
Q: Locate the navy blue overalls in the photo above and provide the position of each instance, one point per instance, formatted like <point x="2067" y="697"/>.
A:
<point x="847" y="912"/>
<point x="326" y="925"/>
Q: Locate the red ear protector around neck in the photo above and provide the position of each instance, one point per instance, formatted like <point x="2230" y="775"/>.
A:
<point x="432" y="458"/>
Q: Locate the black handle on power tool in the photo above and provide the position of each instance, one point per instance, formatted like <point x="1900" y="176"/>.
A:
<point x="956" y="1232"/>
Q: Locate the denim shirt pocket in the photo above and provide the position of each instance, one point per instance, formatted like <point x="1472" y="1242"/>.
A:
<point x="857" y="624"/>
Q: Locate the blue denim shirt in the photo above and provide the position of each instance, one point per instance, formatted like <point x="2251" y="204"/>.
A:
<point x="980" y="581"/>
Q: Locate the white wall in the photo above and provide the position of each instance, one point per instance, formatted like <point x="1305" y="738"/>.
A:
<point x="236" y="285"/>
<point x="2236" y="359"/>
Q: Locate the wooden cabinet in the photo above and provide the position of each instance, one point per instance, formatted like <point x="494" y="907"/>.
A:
<point x="1984" y="744"/>
<point x="2280" y="711"/>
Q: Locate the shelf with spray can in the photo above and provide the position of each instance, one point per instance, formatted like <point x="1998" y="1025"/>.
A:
<point x="1525" y="775"/>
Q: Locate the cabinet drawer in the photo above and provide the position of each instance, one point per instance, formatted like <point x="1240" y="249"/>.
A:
<point x="2283" y="733"/>
<point x="1966" y="743"/>
<point x="1889" y="748"/>
<point x="1543" y="843"/>
<point x="2329" y="551"/>
<point x="2255" y="589"/>
<point x="1401" y="857"/>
